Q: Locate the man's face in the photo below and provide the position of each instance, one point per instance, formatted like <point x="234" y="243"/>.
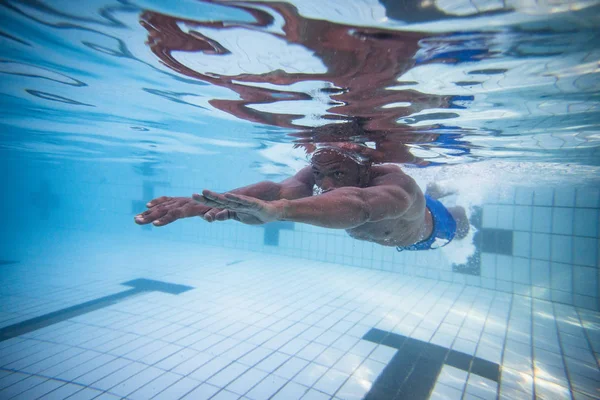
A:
<point x="332" y="169"/>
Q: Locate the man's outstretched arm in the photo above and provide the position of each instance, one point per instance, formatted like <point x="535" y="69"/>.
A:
<point x="342" y="208"/>
<point x="164" y="210"/>
<point x="295" y="187"/>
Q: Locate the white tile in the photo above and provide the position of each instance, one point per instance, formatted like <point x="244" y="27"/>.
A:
<point x="272" y="362"/>
<point x="310" y="374"/>
<point x="587" y="197"/>
<point x="482" y="387"/>
<point x="551" y="374"/>
<point x="516" y="380"/>
<point x="209" y="369"/>
<point x="542" y="219"/>
<point x="464" y="346"/>
<point x="354" y="389"/>
<point x="227" y="374"/>
<point x="266" y="388"/>
<point x="369" y="370"/>
<point x="246" y="381"/>
<point x="345" y="342"/>
<point x="505" y="217"/>
<point x="562" y="248"/>
<point x="331" y="381"/>
<point x="585" y="385"/>
<point x="586" y="222"/>
<point x="348" y="363"/>
<point x="177" y="358"/>
<point x="255" y="356"/>
<point x="202" y="392"/>
<point x="453" y="377"/>
<point x="62" y="392"/>
<point x="549" y="390"/>
<point x="564" y="197"/>
<point x="489" y="353"/>
<point x="522" y="244"/>
<point x="504" y="268"/>
<point x="192" y="362"/>
<point x="39" y="390"/>
<point x="311" y="351"/>
<point x="585" y="251"/>
<point x="137" y="381"/>
<point x="521" y="270"/>
<point x="291" y="367"/>
<point x="543" y="196"/>
<point x="382" y="354"/>
<point x="510" y="393"/>
<point x="155" y="386"/>
<point x="548" y="358"/>
<point x="444" y="392"/>
<point x="562" y="277"/>
<point x="21" y="386"/>
<point x="523" y="196"/>
<point x="102" y="371"/>
<point x="315" y="395"/>
<point x="523" y="218"/>
<point x="540" y="246"/>
<point x="540" y="273"/>
<point x="585" y="280"/>
<point x="118" y="376"/>
<point x="562" y="220"/>
<point x="363" y="348"/>
<point x="490" y="216"/>
<point x="291" y="391"/>
<point x="85" y="394"/>
<point x="225" y="395"/>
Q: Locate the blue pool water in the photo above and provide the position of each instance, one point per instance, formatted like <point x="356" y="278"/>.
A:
<point x="108" y="104"/>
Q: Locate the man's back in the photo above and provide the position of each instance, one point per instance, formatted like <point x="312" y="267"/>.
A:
<point x="411" y="226"/>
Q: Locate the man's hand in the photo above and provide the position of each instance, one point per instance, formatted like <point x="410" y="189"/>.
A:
<point x="261" y="211"/>
<point x="164" y="210"/>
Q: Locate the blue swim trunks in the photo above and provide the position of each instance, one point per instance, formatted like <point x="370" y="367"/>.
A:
<point x="444" y="228"/>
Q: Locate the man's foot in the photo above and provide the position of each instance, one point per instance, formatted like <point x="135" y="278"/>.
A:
<point x="436" y="191"/>
<point x="462" y="221"/>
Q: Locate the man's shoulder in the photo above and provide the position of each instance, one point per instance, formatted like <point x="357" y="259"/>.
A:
<point x="390" y="174"/>
<point x="387" y="169"/>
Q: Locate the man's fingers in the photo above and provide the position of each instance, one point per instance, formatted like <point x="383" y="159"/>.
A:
<point x="239" y="199"/>
<point x="158" y="201"/>
<point x="206" y="201"/>
<point x="224" y="215"/>
<point x="213" y="196"/>
<point x="166" y="219"/>
<point x="211" y="214"/>
<point x="150" y="215"/>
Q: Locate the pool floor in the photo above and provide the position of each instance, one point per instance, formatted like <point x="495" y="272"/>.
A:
<point x="177" y="321"/>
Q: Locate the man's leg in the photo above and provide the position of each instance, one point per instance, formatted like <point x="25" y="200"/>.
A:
<point x="436" y="191"/>
<point x="462" y="221"/>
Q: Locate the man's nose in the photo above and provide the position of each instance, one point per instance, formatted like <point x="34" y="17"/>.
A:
<point x="327" y="184"/>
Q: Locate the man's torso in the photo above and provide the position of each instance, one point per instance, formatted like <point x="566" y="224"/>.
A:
<point x="414" y="225"/>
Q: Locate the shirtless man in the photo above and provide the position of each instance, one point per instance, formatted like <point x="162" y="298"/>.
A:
<point x="380" y="204"/>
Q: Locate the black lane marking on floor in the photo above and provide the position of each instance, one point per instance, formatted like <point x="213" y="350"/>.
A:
<point x="414" y="369"/>
<point x="8" y="262"/>
<point x="271" y="235"/>
<point x="138" y="286"/>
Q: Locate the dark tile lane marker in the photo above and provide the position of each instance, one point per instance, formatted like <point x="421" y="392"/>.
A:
<point x="414" y="369"/>
<point x="138" y="286"/>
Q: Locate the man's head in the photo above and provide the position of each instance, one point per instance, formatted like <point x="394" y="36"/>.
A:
<point x="334" y="167"/>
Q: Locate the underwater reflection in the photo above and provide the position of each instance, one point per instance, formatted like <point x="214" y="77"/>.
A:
<point x="330" y="82"/>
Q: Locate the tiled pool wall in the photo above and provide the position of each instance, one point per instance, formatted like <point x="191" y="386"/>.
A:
<point x="535" y="242"/>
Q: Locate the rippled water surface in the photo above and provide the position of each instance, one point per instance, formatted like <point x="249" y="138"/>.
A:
<point x="422" y="83"/>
